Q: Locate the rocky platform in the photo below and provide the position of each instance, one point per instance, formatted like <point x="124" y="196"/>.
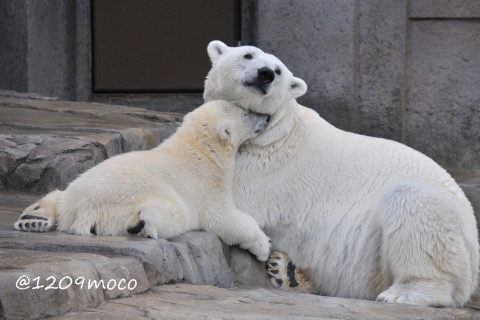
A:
<point x="44" y="144"/>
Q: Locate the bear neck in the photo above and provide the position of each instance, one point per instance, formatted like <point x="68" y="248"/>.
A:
<point x="278" y="131"/>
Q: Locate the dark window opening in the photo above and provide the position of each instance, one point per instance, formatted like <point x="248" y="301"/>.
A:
<point x="149" y="46"/>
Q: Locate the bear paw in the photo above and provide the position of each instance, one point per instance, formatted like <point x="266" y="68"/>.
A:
<point x="38" y="217"/>
<point x="33" y="223"/>
<point x="285" y="275"/>
<point x="260" y="247"/>
<point x="138" y="225"/>
<point x="419" y="293"/>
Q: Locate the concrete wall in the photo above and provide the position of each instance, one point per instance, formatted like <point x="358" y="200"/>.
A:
<point x="407" y="70"/>
<point x="404" y="70"/>
<point x="45" y="47"/>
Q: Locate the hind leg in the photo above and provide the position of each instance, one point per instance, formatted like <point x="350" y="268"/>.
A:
<point x="40" y="216"/>
<point x="285" y="275"/>
<point x="160" y="217"/>
<point x="429" y="245"/>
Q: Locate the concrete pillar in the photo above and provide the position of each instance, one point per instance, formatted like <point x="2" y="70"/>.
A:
<point x="45" y="47"/>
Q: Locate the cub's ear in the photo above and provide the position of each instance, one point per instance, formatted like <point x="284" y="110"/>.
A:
<point x="215" y="49"/>
<point x="224" y="130"/>
<point x="298" y="87"/>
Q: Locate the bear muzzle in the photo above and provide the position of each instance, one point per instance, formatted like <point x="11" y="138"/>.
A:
<point x="261" y="81"/>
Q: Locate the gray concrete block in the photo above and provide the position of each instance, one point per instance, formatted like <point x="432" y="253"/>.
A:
<point x="50" y="43"/>
<point x="380" y="74"/>
<point x="14" y="48"/>
<point x="442" y="103"/>
<point x="472" y="191"/>
<point x="316" y="42"/>
<point x="421" y="9"/>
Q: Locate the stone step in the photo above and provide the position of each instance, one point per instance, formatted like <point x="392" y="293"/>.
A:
<point x="75" y="265"/>
<point x="45" y="143"/>
<point x="184" y="301"/>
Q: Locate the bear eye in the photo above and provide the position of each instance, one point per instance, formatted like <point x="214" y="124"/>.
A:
<point x="278" y="71"/>
<point x="248" y="56"/>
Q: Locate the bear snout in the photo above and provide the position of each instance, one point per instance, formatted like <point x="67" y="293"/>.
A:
<point x="265" y="75"/>
<point x="261" y="80"/>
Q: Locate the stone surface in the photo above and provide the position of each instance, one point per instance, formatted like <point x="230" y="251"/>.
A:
<point x="45" y="47"/>
<point x="14" y="50"/>
<point x="196" y="258"/>
<point x="56" y="283"/>
<point x="472" y="191"/>
<point x="380" y="63"/>
<point x="172" y="102"/>
<point x="442" y="118"/>
<point x="317" y="46"/>
<point x="181" y="301"/>
<point x="427" y="9"/>
<point x="46" y="143"/>
<point x="405" y="70"/>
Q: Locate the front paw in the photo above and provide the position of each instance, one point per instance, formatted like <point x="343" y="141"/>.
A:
<point x="140" y="225"/>
<point x="36" y="218"/>
<point x="260" y="247"/>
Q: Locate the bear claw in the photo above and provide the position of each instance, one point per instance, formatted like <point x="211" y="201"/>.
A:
<point x="137" y="228"/>
<point x="32" y="223"/>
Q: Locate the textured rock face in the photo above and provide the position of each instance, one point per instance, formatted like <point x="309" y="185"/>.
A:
<point x="45" y="144"/>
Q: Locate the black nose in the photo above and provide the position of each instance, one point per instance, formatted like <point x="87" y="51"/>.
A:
<point x="268" y="118"/>
<point x="266" y="75"/>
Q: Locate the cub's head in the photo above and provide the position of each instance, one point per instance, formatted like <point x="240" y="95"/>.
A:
<point x="224" y="123"/>
<point x="254" y="79"/>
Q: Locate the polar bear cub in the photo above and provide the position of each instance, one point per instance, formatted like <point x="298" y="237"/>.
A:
<point x="362" y="217"/>
<point x="181" y="185"/>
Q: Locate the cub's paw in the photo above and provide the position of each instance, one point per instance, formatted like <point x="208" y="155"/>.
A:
<point x="260" y="247"/>
<point x="35" y="218"/>
<point x="139" y="225"/>
<point x="285" y="275"/>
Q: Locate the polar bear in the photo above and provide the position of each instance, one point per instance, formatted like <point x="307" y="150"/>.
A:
<point x="181" y="185"/>
<point x="363" y="217"/>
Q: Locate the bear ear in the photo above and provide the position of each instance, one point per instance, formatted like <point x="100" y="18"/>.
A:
<point x="298" y="87"/>
<point x="215" y="49"/>
<point x="224" y="130"/>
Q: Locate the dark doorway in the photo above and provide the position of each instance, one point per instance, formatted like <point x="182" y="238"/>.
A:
<point x="158" y="45"/>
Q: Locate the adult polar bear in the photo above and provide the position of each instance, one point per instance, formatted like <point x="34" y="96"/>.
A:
<point x="363" y="217"/>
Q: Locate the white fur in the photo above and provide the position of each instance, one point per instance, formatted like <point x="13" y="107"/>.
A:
<point x="364" y="217"/>
<point x="183" y="184"/>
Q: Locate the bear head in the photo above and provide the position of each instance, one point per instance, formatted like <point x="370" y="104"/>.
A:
<point x="257" y="81"/>
<point x="225" y="123"/>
